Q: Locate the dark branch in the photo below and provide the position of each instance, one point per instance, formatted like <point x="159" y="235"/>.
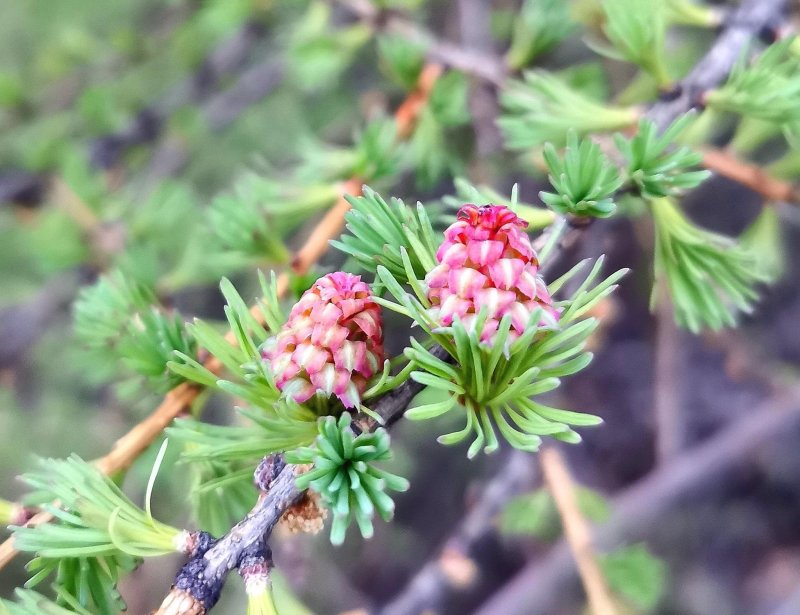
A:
<point x="480" y="65"/>
<point x="209" y="569"/>
<point x="252" y="86"/>
<point x="539" y="586"/>
<point x="22" y="188"/>
<point x="428" y="588"/>
<point x="748" y="22"/>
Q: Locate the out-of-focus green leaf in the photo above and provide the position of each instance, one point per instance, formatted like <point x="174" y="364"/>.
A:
<point x="634" y="573"/>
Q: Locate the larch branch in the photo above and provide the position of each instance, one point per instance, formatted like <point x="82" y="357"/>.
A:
<point x="128" y="448"/>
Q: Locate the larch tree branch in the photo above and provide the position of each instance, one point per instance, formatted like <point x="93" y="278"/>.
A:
<point x="752" y="17"/>
<point x="750" y="20"/>
<point x="128" y="448"/>
<point x="199" y="582"/>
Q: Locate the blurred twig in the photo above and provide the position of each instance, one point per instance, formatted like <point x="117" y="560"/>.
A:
<point x="751" y="176"/>
<point x="454" y="56"/>
<point x="23" y="323"/>
<point x="22" y="188"/>
<point x="742" y="25"/>
<point x="106" y="151"/>
<point x="667" y="382"/>
<point x="453" y="567"/>
<point x="576" y="531"/>
<point x="252" y="86"/>
<point x="474" y="18"/>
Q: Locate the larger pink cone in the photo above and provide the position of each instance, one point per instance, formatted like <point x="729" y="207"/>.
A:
<point x="487" y="261"/>
<point x="332" y="342"/>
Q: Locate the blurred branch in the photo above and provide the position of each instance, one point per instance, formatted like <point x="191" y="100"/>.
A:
<point x="751" y="176"/>
<point x="104" y="238"/>
<point x="252" y="86"/>
<point x="539" y="586"/>
<point x="454" y="567"/>
<point x="106" y="151"/>
<point x="475" y="21"/>
<point x="667" y="385"/>
<point x="453" y="56"/>
<point x="744" y="24"/>
<point x="576" y="530"/>
<point x="22" y="188"/>
<point x="27" y="189"/>
<point x="22" y="324"/>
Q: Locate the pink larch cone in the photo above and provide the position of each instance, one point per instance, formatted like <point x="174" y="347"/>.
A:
<point x="487" y="262"/>
<point x="332" y="342"/>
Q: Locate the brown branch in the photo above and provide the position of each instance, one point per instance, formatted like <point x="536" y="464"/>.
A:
<point x="577" y="532"/>
<point x="469" y="61"/>
<point x="751" y="176"/>
<point x="454" y="566"/>
<point x="537" y="589"/>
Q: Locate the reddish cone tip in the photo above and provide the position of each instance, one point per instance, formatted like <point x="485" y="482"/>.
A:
<point x="332" y="342"/>
<point x="491" y="217"/>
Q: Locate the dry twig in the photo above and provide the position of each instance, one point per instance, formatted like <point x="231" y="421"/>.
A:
<point x="751" y="176"/>
<point x="576" y="530"/>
